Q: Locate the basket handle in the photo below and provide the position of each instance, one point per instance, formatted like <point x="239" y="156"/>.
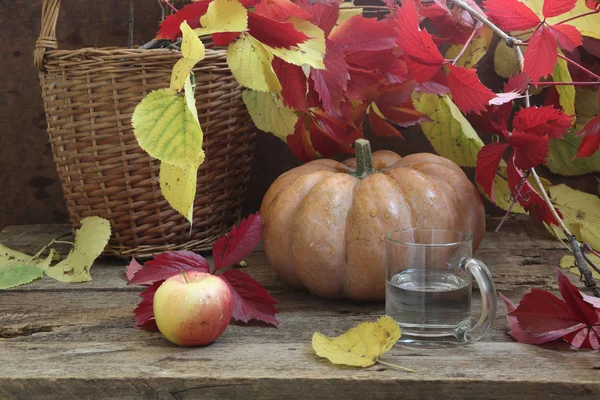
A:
<point x="47" y="38"/>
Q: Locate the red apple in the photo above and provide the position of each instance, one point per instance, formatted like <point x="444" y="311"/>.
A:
<point x="193" y="310"/>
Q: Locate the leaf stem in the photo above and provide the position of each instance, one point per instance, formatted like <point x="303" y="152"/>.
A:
<point x="184" y="277"/>
<point x="396" y="366"/>
<point x="581" y="67"/>
<point x="462" y="51"/>
<point x="568" y="83"/>
<point x="170" y="5"/>
<point x="578" y="16"/>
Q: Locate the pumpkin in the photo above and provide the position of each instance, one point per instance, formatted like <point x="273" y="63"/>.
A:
<point x="325" y="222"/>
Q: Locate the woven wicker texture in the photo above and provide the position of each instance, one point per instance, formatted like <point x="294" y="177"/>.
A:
<point x="89" y="97"/>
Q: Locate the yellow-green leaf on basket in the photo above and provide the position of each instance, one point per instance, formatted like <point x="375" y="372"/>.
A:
<point x="192" y="51"/>
<point x="250" y="63"/>
<point x="587" y="25"/>
<point x="360" y="346"/>
<point x="223" y="16"/>
<point x="178" y="185"/>
<point x="166" y="129"/>
<point x="566" y="93"/>
<point x="90" y="241"/>
<point x="568" y="262"/>
<point x="269" y="114"/>
<point x="475" y="50"/>
<point x="581" y="213"/>
<point x="450" y="134"/>
<point x="310" y="52"/>
<point x="505" y="60"/>
<point x="17" y="268"/>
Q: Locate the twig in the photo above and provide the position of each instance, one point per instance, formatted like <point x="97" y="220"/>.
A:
<point x="131" y="22"/>
<point x="462" y="51"/>
<point x="170" y="5"/>
<point x="578" y="16"/>
<point x="162" y="10"/>
<point x="573" y="242"/>
<point x="581" y="67"/>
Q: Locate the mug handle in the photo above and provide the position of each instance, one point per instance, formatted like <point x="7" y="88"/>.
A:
<point x="488" y="298"/>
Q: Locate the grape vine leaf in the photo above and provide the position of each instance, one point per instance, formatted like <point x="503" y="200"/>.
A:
<point x="511" y="15"/>
<point x="541" y="54"/>
<point x="529" y="150"/>
<point x="311" y="52"/>
<point x="567" y="36"/>
<point x="450" y="133"/>
<point x="331" y="83"/>
<point x="280" y="10"/>
<point x="192" y="51"/>
<point x="233" y="247"/>
<point x="468" y="93"/>
<point x="488" y="160"/>
<point x="293" y="84"/>
<point x="591" y="138"/>
<point x="90" y="241"/>
<point x="588" y="25"/>
<point x="190" y="13"/>
<point x="553" y="8"/>
<point x="269" y="114"/>
<point x="299" y="143"/>
<point x="324" y="15"/>
<point x="374" y="34"/>
<point x="542" y="121"/>
<point x="251" y="64"/>
<point x="360" y="346"/>
<point x="274" y="33"/>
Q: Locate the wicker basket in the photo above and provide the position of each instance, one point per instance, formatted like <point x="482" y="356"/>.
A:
<point x="89" y="96"/>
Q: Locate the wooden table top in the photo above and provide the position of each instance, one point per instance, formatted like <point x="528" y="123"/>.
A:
<point x="78" y="340"/>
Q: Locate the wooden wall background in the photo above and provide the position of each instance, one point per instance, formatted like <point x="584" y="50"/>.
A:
<point x="29" y="188"/>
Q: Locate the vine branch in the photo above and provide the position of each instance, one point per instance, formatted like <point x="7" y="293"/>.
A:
<point x="574" y="244"/>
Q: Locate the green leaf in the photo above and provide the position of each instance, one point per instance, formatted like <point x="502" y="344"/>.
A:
<point x="505" y="60"/>
<point x="450" y="134"/>
<point x="166" y="129"/>
<point x="17" y="268"/>
<point x="566" y="93"/>
<point x="90" y="241"/>
<point x="269" y="114"/>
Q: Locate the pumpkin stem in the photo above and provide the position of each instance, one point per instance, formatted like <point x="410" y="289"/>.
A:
<point x="364" y="159"/>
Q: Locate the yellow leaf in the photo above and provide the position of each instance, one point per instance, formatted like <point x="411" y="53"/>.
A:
<point x="269" y="114"/>
<point x="178" y="185"/>
<point x="568" y="262"/>
<point x="450" y="134"/>
<point x="17" y="268"/>
<point x="250" y="64"/>
<point x="190" y="100"/>
<point x="360" y="346"/>
<point x="581" y="213"/>
<point x="223" y="16"/>
<point x="311" y="52"/>
<point x="588" y="26"/>
<point x="505" y="60"/>
<point x="90" y="241"/>
<point x="192" y="51"/>
<point x="566" y="93"/>
<point x="475" y="51"/>
<point x="166" y="129"/>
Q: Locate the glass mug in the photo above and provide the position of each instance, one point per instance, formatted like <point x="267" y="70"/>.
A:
<point x="428" y="287"/>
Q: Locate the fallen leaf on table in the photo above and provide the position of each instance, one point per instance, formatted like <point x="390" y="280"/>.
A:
<point x="360" y="346"/>
<point x="90" y="241"/>
<point x="17" y="268"/>
<point x="541" y="317"/>
<point x="250" y="299"/>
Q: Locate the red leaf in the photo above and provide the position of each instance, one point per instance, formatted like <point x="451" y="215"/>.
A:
<point x="542" y="121"/>
<point x="403" y="116"/>
<point x="422" y="72"/>
<point x="361" y="82"/>
<point x="274" y="33"/>
<point x="511" y="15"/>
<point x="293" y="83"/>
<point x="360" y="33"/>
<point x="541" y="312"/>
<point x="299" y="144"/>
<point x="594" y="301"/>
<point x="324" y="16"/>
<point x="133" y="268"/>
<point x="591" y="138"/>
<point x="167" y="264"/>
<point x="567" y="36"/>
<point x="553" y="8"/>
<point x="572" y="296"/>
<point x="250" y="298"/>
<point x="170" y="27"/>
<point x="541" y="55"/>
<point x="280" y="10"/>
<point x="468" y="92"/>
<point x="249" y="3"/>
<point x="238" y="243"/>
<point x="381" y="128"/>
<point x="144" y="312"/>
<point x="414" y="42"/>
<point x="376" y="59"/>
<point x="585" y="338"/>
<point x="223" y="39"/>
<point x="530" y="150"/>
<point x="330" y="135"/>
<point x="516" y="331"/>
<point x="488" y="159"/>
<point x="517" y="83"/>
<point x="592" y="4"/>
<point x="331" y="82"/>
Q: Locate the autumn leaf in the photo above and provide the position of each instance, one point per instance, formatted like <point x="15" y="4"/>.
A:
<point x="269" y="114"/>
<point x="511" y="15"/>
<point x="568" y="262"/>
<point x="567" y="36"/>
<point x="132" y="269"/>
<point x="468" y="93"/>
<point x="360" y="346"/>
<point x="178" y="186"/>
<point x="324" y="15"/>
<point x="251" y="300"/>
<point x="293" y="84"/>
<point x="190" y="13"/>
<point x="541" y="54"/>
<point x="591" y="138"/>
<point x="530" y="151"/>
<point x="475" y="50"/>
<point x="90" y="241"/>
<point x="311" y="52"/>
<point x="331" y="82"/>
<point x="223" y="16"/>
<point x="360" y="33"/>
<point x="587" y="25"/>
<point x="280" y="10"/>
<point x="553" y="8"/>
<point x="192" y="51"/>
<point x="299" y="143"/>
<point x="17" y="268"/>
<point x="505" y="61"/>
<point x="566" y="93"/>
<point x="542" y="121"/>
<point x="542" y="317"/>
<point x="488" y="159"/>
<point x="274" y="33"/>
